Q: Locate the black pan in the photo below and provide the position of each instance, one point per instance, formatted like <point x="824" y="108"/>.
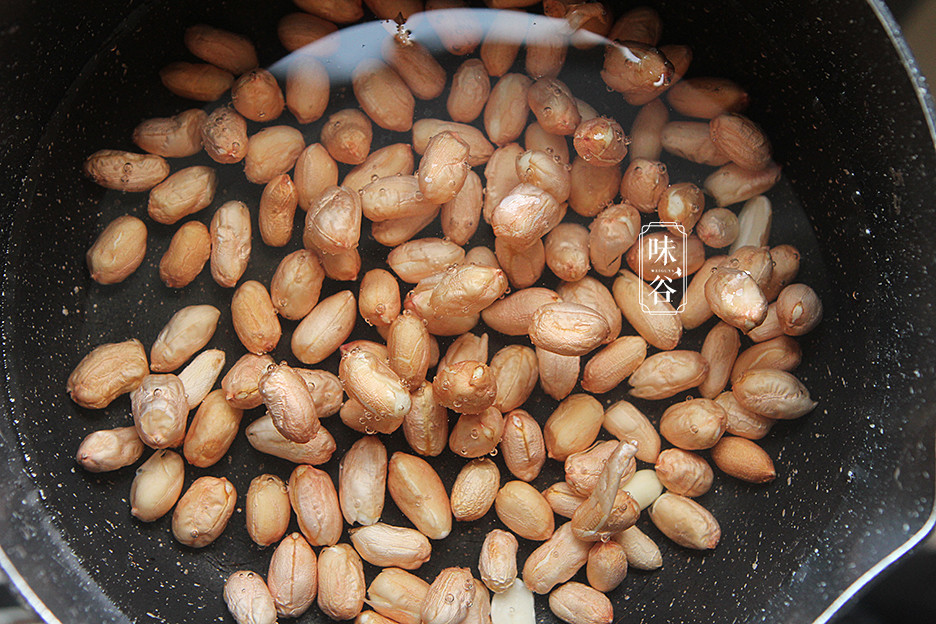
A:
<point x="834" y="87"/>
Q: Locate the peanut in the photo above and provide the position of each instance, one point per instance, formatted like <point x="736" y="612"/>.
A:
<point x="202" y="513"/>
<point x="118" y="251"/>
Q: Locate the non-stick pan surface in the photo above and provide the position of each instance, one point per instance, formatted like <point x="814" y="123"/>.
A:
<point x="855" y="475"/>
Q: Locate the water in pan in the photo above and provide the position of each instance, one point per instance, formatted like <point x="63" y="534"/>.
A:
<point x="140" y="567"/>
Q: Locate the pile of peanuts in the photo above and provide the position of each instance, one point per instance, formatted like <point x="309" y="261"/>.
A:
<point x="524" y="196"/>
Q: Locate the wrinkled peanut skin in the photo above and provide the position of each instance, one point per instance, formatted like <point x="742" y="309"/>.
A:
<point x="107" y="372"/>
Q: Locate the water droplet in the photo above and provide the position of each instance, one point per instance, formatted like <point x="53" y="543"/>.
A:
<point x="369" y="431"/>
<point x="474" y="434"/>
<point x="493" y="452"/>
<point x="449" y="598"/>
<point x="374" y="177"/>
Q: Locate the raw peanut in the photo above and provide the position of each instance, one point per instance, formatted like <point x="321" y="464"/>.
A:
<point x="593" y="188"/>
<point x="782" y="353"/>
<point x="576" y="603"/>
<point x="626" y="422"/>
<point x="212" y="431"/>
<point x="668" y="373"/>
<point x="271" y="152"/>
<point x="443" y="168"/>
<point x="641" y="24"/>
<point x="523" y="445"/>
<point x="471" y="87"/>
<point x="612" y="232"/>
<point x="117" y="251"/>
<point x="691" y="140"/>
<point x="689" y="252"/>
<point x="248" y="599"/>
<point x="601" y="142"/>
<point x="584" y="19"/>
<point x="416" y="66"/>
<point x="277" y="210"/>
<point x="537" y="139"/>
<point x="682" y="204"/>
<point x="230" y="243"/>
<point x="741" y="140"/>
<point x="524" y="511"/>
<point x="379" y="298"/>
<point x="171" y="137"/>
<point x="684" y="473"/>
<point x="296" y="284"/>
<point x="523" y="267"/>
<point x="196" y="81"/>
<point x="475" y="435"/>
<point x="743" y="459"/>
<point x="502" y="41"/>
<point x="267" y="511"/>
<point x="772" y="393"/>
<point x="694" y="424"/>
<point x="500" y="175"/>
<point x="347" y="136"/>
<point x="109" y="449"/>
<point x="264" y="437"/>
<point x="426" y="424"/>
<point x="393" y="232"/>
<point x="390" y="9"/>
<point x="770" y="328"/>
<point x="298" y="30"/>
<point x="742" y="421"/>
<point x="644" y="487"/>
<point x="468" y="387"/>
<point x="224" y="135"/>
<point x="159" y="411"/>
<point x="293" y="576"/>
<point x="545" y="171"/>
<point x="591" y="293"/>
<point x="474" y="489"/>
<point x="307" y="87"/>
<point x="157" y="485"/>
<point x="680" y="56"/>
<point x="257" y="97"/>
<point x="316" y="172"/>
<point x="467" y="289"/>
<point x="202" y="513"/>
<point x="397" y="595"/>
<point x="583" y="469"/>
<point x="340" y="12"/>
<point x="512" y="314"/>
<point x="396" y="159"/>
<point x="388" y="546"/>
<point x="661" y="327"/>
<point x="720" y="350"/>
<point x="643" y="183"/>
<point x="647" y="131"/>
<point x="799" y="309"/>
<point x="395" y="197"/>
<point x="183" y="193"/>
<point x="362" y="478"/>
<point x="497" y="564"/>
<point x="408" y="347"/>
<point x="515" y="370"/>
<point x="341" y="584"/>
<point x="125" y="171"/>
<point x="755" y="260"/>
<point x="786" y="260"/>
<point x="241" y="384"/>
<point x="718" y="227"/>
<point x="558" y="373"/>
<point x="735" y="298"/>
<point x="732" y="184"/>
<point x="685" y="521"/>
<point x="506" y="111"/>
<point x="554" y="106"/>
<point x="439" y="325"/>
<point x="567" y="252"/>
<point x="567" y="328"/>
<point x="227" y="50"/>
<point x="418" y="492"/>
<point x="315" y="502"/>
<point x="637" y="70"/>
<point x="480" y="149"/>
<point x="372" y="382"/>
<point x="289" y="403"/>
<point x="372" y="617"/>
<point x="546" y="47"/>
<point x="449" y="597"/>
<point x="642" y="552"/>
<point x="323" y="329"/>
<point x="325" y="389"/>
<point x="555" y="561"/>
<point x="695" y="310"/>
<point x="573" y="426"/>
<point x="613" y="364"/>
<point x="707" y="98"/>
<point x="563" y="499"/>
<point x="254" y="318"/>
<point x="185" y="334"/>
<point x="515" y="605"/>
<point x="607" y="566"/>
<point x="461" y="215"/>
<point x="459" y="30"/>
<point x="383" y="95"/>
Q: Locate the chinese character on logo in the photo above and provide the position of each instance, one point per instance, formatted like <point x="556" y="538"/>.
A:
<point x="657" y="252"/>
<point x="662" y="289"/>
<point x="662" y="264"/>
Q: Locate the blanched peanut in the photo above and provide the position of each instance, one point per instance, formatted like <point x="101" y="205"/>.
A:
<point x="613" y="364"/>
<point x="524" y="511"/>
<point x="323" y="329"/>
<point x="799" y="309"/>
<point x="118" y="251"/>
<point x="647" y="130"/>
<point x="171" y="137"/>
<point x="408" y="349"/>
<point x="315" y="502"/>
<point x="732" y="184"/>
<point x="248" y="599"/>
<point x="471" y="87"/>
<point x="396" y="159"/>
<point x="230" y="243"/>
<point x="663" y="330"/>
<point x="196" y="81"/>
<point x="383" y="95"/>
<point x="267" y="510"/>
<point x="325" y="389"/>
<point x="707" y="97"/>
<point x="341" y="585"/>
<point x="480" y="149"/>
<point x="506" y="111"/>
<point x="555" y="561"/>
<point x="601" y="142"/>
<point x="183" y="193"/>
<point x="298" y="30"/>
<point x="347" y="136"/>
<point x="691" y="140"/>
<point x="475" y="435"/>
<point x="202" y="513"/>
<point x="293" y="576"/>
<point x="668" y="373"/>
<point x="254" y="318"/>
<point x="522" y="445"/>
<point x="683" y="204"/>
<point x="257" y="97"/>
<point x="558" y="373"/>
<point x="526" y="215"/>
<point x="157" y="485"/>
<point x="416" y="66"/>
<point x="212" y="431"/>
<point x="418" y="492"/>
<point x="573" y="426"/>
<point x="373" y="383"/>
<point x="224" y="135"/>
<point x="289" y="403"/>
<point x="109" y="449"/>
<point x="461" y="215"/>
<point x="466" y="289"/>
<point x="626" y="422"/>
<point x="567" y="328"/>
<point x="159" y="411"/>
<point x="720" y="350"/>
<point x="523" y="267"/>
<point x="497" y="564"/>
<point x="734" y="297"/>
<point x="388" y="546"/>
<point x="718" y="227"/>
<point x="638" y="71"/>
<point x="593" y="188"/>
<point x="685" y="521"/>
<point x="263" y="436"/>
<point x="772" y="393"/>
<point x="474" y="489"/>
<point x="426" y="424"/>
<point x="694" y="424"/>
<point x="307" y="87"/>
<point x="316" y="171"/>
<point x="612" y="232"/>
<point x="296" y="284"/>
